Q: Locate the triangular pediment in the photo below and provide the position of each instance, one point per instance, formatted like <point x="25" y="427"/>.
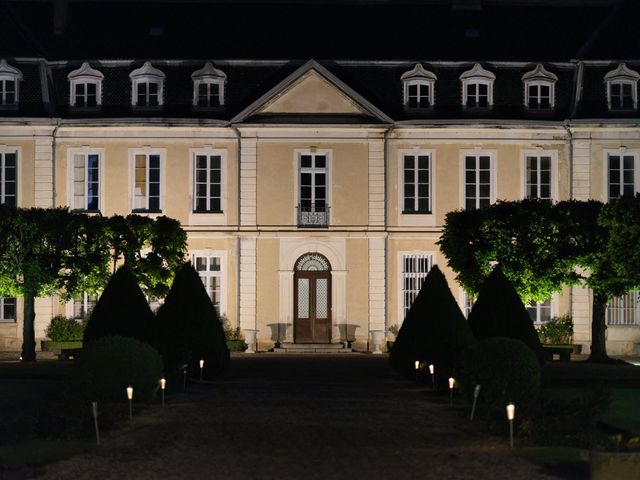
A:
<point x="311" y="91"/>
<point x="312" y="94"/>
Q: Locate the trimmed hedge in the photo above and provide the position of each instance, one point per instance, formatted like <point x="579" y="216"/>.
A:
<point x="109" y="364"/>
<point x="121" y="310"/>
<point x="63" y="329"/>
<point x="435" y="330"/>
<point x="506" y="369"/>
<point x="187" y="328"/>
<point x="499" y="312"/>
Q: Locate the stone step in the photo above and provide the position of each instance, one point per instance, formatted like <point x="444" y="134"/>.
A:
<point x="312" y="348"/>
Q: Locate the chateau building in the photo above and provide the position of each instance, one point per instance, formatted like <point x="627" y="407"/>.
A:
<point x="314" y="191"/>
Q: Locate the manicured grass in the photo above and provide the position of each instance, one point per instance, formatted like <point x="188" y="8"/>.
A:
<point x="563" y="461"/>
<point x="38" y="452"/>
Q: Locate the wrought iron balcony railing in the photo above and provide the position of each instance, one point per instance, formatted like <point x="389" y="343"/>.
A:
<point x="313" y="215"/>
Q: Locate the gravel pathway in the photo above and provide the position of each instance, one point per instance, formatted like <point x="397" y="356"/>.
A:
<point x="299" y="417"/>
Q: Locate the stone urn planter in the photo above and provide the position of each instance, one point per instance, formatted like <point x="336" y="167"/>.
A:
<point x="250" y="340"/>
<point x="377" y="336"/>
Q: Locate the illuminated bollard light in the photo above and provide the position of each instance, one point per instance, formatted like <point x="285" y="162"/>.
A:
<point x="417" y="365"/>
<point x="163" y="385"/>
<point x="130" y="398"/>
<point x="184" y="378"/>
<point x="452" y="384"/>
<point x="511" y="413"/>
<point x="201" y="368"/>
<point x="476" y="392"/>
<point x="432" y="372"/>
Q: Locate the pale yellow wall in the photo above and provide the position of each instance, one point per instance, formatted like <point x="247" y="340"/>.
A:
<point x="26" y="169"/>
<point x="277" y="178"/>
<point x="357" y="286"/>
<point x="267" y="292"/>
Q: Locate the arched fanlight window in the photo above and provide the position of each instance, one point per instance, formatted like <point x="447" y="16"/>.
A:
<point x="312" y="262"/>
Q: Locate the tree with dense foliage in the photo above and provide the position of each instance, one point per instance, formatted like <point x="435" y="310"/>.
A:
<point x="45" y="252"/>
<point x="435" y="330"/>
<point x="153" y="249"/>
<point x="187" y="328"/>
<point x="122" y="310"/>
<point x="543" y="246"/>
<point x="499" y="312"/>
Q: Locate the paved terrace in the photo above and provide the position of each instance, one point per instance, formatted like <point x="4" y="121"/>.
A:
<point x="299" y="417"/>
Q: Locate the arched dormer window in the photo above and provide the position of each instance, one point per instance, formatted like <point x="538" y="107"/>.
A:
<point x="477" y="87"/>
<point x="208" y="87"/>
<point x="9" y="84"/>
<point x="147" y="86"/>
<point x="622" y="88"/>
<point x="85" y="87"/>
<point x="419" y="88"/>
<point x="539" y="88"/>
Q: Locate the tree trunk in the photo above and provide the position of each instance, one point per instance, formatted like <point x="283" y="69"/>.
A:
<point x="598" y="329"/>
<point x="28" y="332"/>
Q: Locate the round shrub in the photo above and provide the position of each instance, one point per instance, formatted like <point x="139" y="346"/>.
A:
<point x="109" y="364"/>
<point x="506" y="369"/>
<point x="63" y="329"/>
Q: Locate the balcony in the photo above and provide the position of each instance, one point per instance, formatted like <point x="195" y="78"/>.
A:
<point x="311" y="215"/>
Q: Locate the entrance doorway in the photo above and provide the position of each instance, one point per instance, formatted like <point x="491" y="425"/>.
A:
<point x="312" y="299"/>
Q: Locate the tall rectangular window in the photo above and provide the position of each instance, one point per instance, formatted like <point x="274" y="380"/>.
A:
<point x="539" y="96"/>
<point x="209" y="95"/>
<point x="540" y="312"/>
<point x="86" y="182"/>
<point x="621" y="170"/>
<point x="146" y="184"/>
<point x="209" y="268"/>
<point x="621" y="95"/>
<point x="477" y="181"/>
<point x="9" y="179"/>
<point x="418" y="95"/>
<point x="148" y="94"/>
<point x="415" y="268"/>
<point x="417" y="183"/>
<point x="83" y="306"/>
<point x="624" y="310"/>
<point x="313" y="209"/>
<point x="7" y="309"/>
<point x="85" y="94"/>
<point x="8" y="92"/>
<point x="207" y="185"/>
<point x="538" y="177"/>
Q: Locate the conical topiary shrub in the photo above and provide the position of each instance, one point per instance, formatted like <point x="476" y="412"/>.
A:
<point x="499" y="312"/>
<point x="122" y="310"/>
<point x="187" y="328"/>
<point x="435" y="331"/>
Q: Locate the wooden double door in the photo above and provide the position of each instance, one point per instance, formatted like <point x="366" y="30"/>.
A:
<point x="312" y="307"/>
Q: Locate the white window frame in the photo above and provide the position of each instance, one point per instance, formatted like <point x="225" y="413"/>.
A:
<point x="431" y="256"/>
<point x="85" y="151"/>
<point x="492" y="175"/>
<point x="8" y="320"/>
<point x="11" y="74"/>
<point x="222" y="255"/>
<point x="622" y="75"/>
<point x="222" y="153"/>
<point x="466" y="303"/>
<point x="297" y="172"/>
<point x="18" y="151"/>
<point x="553" y="309"/>
<point x="70" y="307"/>
<point x="621" y="152"/>
<point x="422" y="78"/>
<point x="540" y="76"/>
<point x="83" y="76"/>
<point x="132" y="177"/>
<point x="208" y="75"/>
<point x="554" y="170"/>
<point x="401" y="196"/>
<point x="478" y="76"/>
<point x="147" y="74"/>
<point x="623" y="311"/>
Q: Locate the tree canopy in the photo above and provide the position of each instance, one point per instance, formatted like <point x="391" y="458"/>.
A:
<point x="543" y="246"/>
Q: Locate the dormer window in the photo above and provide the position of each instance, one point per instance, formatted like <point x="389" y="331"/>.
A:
<point x="418" y="87"/>
<point x="147" y="87"/>
<point x="85" y="87"/>
<point x="622" y="88"/>
<point x="208" y="87"/>
<point x="539" y="89"/>
<point x="9" y="84"/>
<point x="477" y="87"/>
